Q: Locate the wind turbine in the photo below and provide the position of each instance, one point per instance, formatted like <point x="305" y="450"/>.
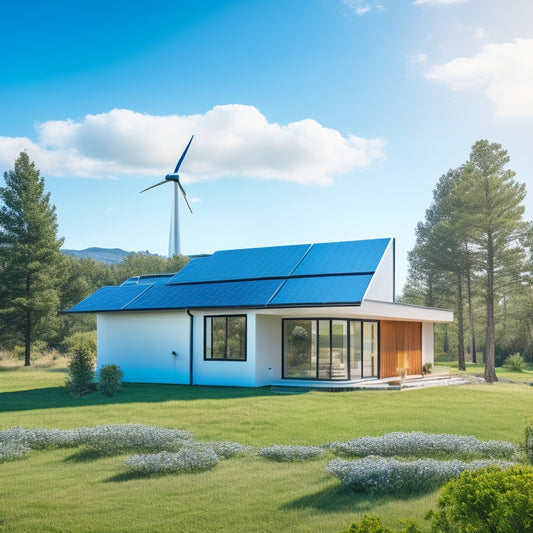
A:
<point x="174" y="237"/>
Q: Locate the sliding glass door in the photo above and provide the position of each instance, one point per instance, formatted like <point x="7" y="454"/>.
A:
<point x="330" y="349"/>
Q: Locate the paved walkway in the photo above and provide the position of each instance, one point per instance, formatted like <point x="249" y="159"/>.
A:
<point x="394" y="383"/>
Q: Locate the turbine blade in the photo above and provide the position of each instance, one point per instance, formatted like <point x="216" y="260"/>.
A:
<point x="182" y="156"/>
<point x="184" y="196"/>
<point x="152" y="186"/>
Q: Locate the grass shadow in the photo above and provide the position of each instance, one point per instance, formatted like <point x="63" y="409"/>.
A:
<point x="342" y="499"/>
<point x="55" y="397"/>
<point x="84" y="455"/>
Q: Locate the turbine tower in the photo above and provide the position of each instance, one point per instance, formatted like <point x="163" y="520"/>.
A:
<point x="174" y="236"/>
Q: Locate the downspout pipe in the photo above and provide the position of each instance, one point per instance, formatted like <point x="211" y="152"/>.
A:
<point x="191" y="346"/>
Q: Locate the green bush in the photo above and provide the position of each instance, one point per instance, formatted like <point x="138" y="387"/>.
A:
<point x="515" y="363"/>
<point x="372" y="524"/>
<point x="109" y="380"/>
<point x="490" y="500"/>
<point x="81" y="367"/>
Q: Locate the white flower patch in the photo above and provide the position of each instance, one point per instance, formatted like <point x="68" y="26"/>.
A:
<point x="114" y="438"/>
<point x="12" y="450"/>
<point x="188" y="459"/>
<point x="227" y="449"/>
<point x="380" y="475"/>
<point x="39" y="438"/>
<point x="280" y="452"/>
<point x="417" y="443"/>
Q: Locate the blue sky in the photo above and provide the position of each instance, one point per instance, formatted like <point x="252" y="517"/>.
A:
<point x="314" y="120"/>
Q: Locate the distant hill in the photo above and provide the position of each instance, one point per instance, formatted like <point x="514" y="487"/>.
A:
<point x="111" y="256"/>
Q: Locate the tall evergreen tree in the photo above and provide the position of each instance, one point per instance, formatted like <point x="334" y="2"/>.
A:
<point x="491" y="215"/>
<point x="29" y="256"/>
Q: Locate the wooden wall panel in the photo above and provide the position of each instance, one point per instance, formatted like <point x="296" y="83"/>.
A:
<point x="400" y="347"/>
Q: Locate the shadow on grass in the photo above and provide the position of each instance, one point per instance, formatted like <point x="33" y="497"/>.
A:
<point x="55" y="397"/>
<point x="85" y="455"/>
<point x="341" y="499"/>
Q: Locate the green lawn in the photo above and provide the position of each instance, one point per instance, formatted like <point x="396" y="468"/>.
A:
<point x="62" y="490"/>
<point x="503" y="374"/>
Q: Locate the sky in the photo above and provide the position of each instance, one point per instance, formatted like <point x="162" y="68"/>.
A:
<point x="314" y="120"/>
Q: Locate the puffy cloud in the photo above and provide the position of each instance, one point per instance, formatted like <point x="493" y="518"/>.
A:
<point x="437" y="2"/>
<point x="361" y="7"/>
<point x="230" y="141"/>
<point x="505" y="71"/>
<point x="419" y="57"/>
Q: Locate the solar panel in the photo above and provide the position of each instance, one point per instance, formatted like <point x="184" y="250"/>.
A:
<point x="253" y="263"/>
<point x="109" y="299"/>
<point x="333" y="290"/>
<point x="229" y="294"/>
<point x="343" y="257"/>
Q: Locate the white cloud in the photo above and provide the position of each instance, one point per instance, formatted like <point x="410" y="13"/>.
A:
<point x="504" y="71"/>
<point x="419" y="57"/>
<point x="362" y="7"/>
<point x="437" y="2"/>
<point x="230" y="141"/>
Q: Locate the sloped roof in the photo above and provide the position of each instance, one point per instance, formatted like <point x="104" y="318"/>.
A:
<point x="337" y="273"/>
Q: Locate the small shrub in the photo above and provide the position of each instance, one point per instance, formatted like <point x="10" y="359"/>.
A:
<point x="10" y="451"/>
<point x="189" y="459"/>
<point x="529" y="443"/>
<point x="40" y="438"/>
<point x="372" y="524"/>
<point x="426" y="368"/>
<point x="515" y="363"/>
<point x="416" y="443"/>
<point x="109" y="380"/>
<point x="280" y="452"/>
<point x="380" y="475"/>
<point x="488" y="500"/>
<point x="81" y="367"/>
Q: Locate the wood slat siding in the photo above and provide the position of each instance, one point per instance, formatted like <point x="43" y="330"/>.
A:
<point x="400" y="346"/>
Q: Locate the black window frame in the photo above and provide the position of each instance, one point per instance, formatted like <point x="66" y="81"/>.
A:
<point x="225" y="358"/>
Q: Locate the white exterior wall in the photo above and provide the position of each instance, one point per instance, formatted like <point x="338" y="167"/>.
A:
<point x="381" y="286"/>
<point x="142" y="345"/>
<point x="428" y="353"/>
<point x="268" y="349"/>
<point x="226" y="373"/>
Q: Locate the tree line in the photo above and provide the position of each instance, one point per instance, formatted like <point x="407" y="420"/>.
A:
<point x="36" y="280"/>
<point x="473" y="255"/>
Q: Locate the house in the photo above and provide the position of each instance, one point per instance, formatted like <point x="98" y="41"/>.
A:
<point x="253" y="317"/>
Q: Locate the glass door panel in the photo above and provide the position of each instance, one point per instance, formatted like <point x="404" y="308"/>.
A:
<point x="324" y="350"/>
<point x="300" y="349"/>
<point x="355" y="349"/>
<point x="339" y="349"/>
<point x="370" y="349"/>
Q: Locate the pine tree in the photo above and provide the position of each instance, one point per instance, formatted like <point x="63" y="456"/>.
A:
<point x="29" y="257"/>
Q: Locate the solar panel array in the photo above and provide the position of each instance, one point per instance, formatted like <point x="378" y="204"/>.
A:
<point x="282" y="276"/>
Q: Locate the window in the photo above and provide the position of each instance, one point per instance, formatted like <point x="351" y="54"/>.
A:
<point x="225" y="338"/>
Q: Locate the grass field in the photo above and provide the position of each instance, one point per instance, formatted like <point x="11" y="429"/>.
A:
<point x="65" y="490"/>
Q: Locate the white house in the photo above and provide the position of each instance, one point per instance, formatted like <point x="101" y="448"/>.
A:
<point x="254" y="317"/>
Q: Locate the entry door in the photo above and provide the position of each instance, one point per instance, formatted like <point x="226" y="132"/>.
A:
<point x="363" y="349"/>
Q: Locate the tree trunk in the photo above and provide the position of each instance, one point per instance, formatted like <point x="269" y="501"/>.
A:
<point x="27" y="328"/>
<point x="490" y="347"/>
<point x="471" y="318"/>
<point x="460" y="325"/>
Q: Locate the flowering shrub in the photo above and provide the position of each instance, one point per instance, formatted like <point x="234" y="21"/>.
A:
<point x="39" y="438"/>
<point x="280" y="452"/>
<point x="114" y="438"/>
<point x="226" y="449"/>
<point x="189" y="459"/>
<point x="380" y="475"/>
<point x="417" y="443"/>
<point x="12" y="450"/>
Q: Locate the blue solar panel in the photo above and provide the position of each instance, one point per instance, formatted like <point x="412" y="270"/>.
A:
<point x="322" y="290"/>
<point x="109" y="299"/>
<point x="343" y="257"/>
<point x="203" y="295"/>
<point x="253" y="263"/>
